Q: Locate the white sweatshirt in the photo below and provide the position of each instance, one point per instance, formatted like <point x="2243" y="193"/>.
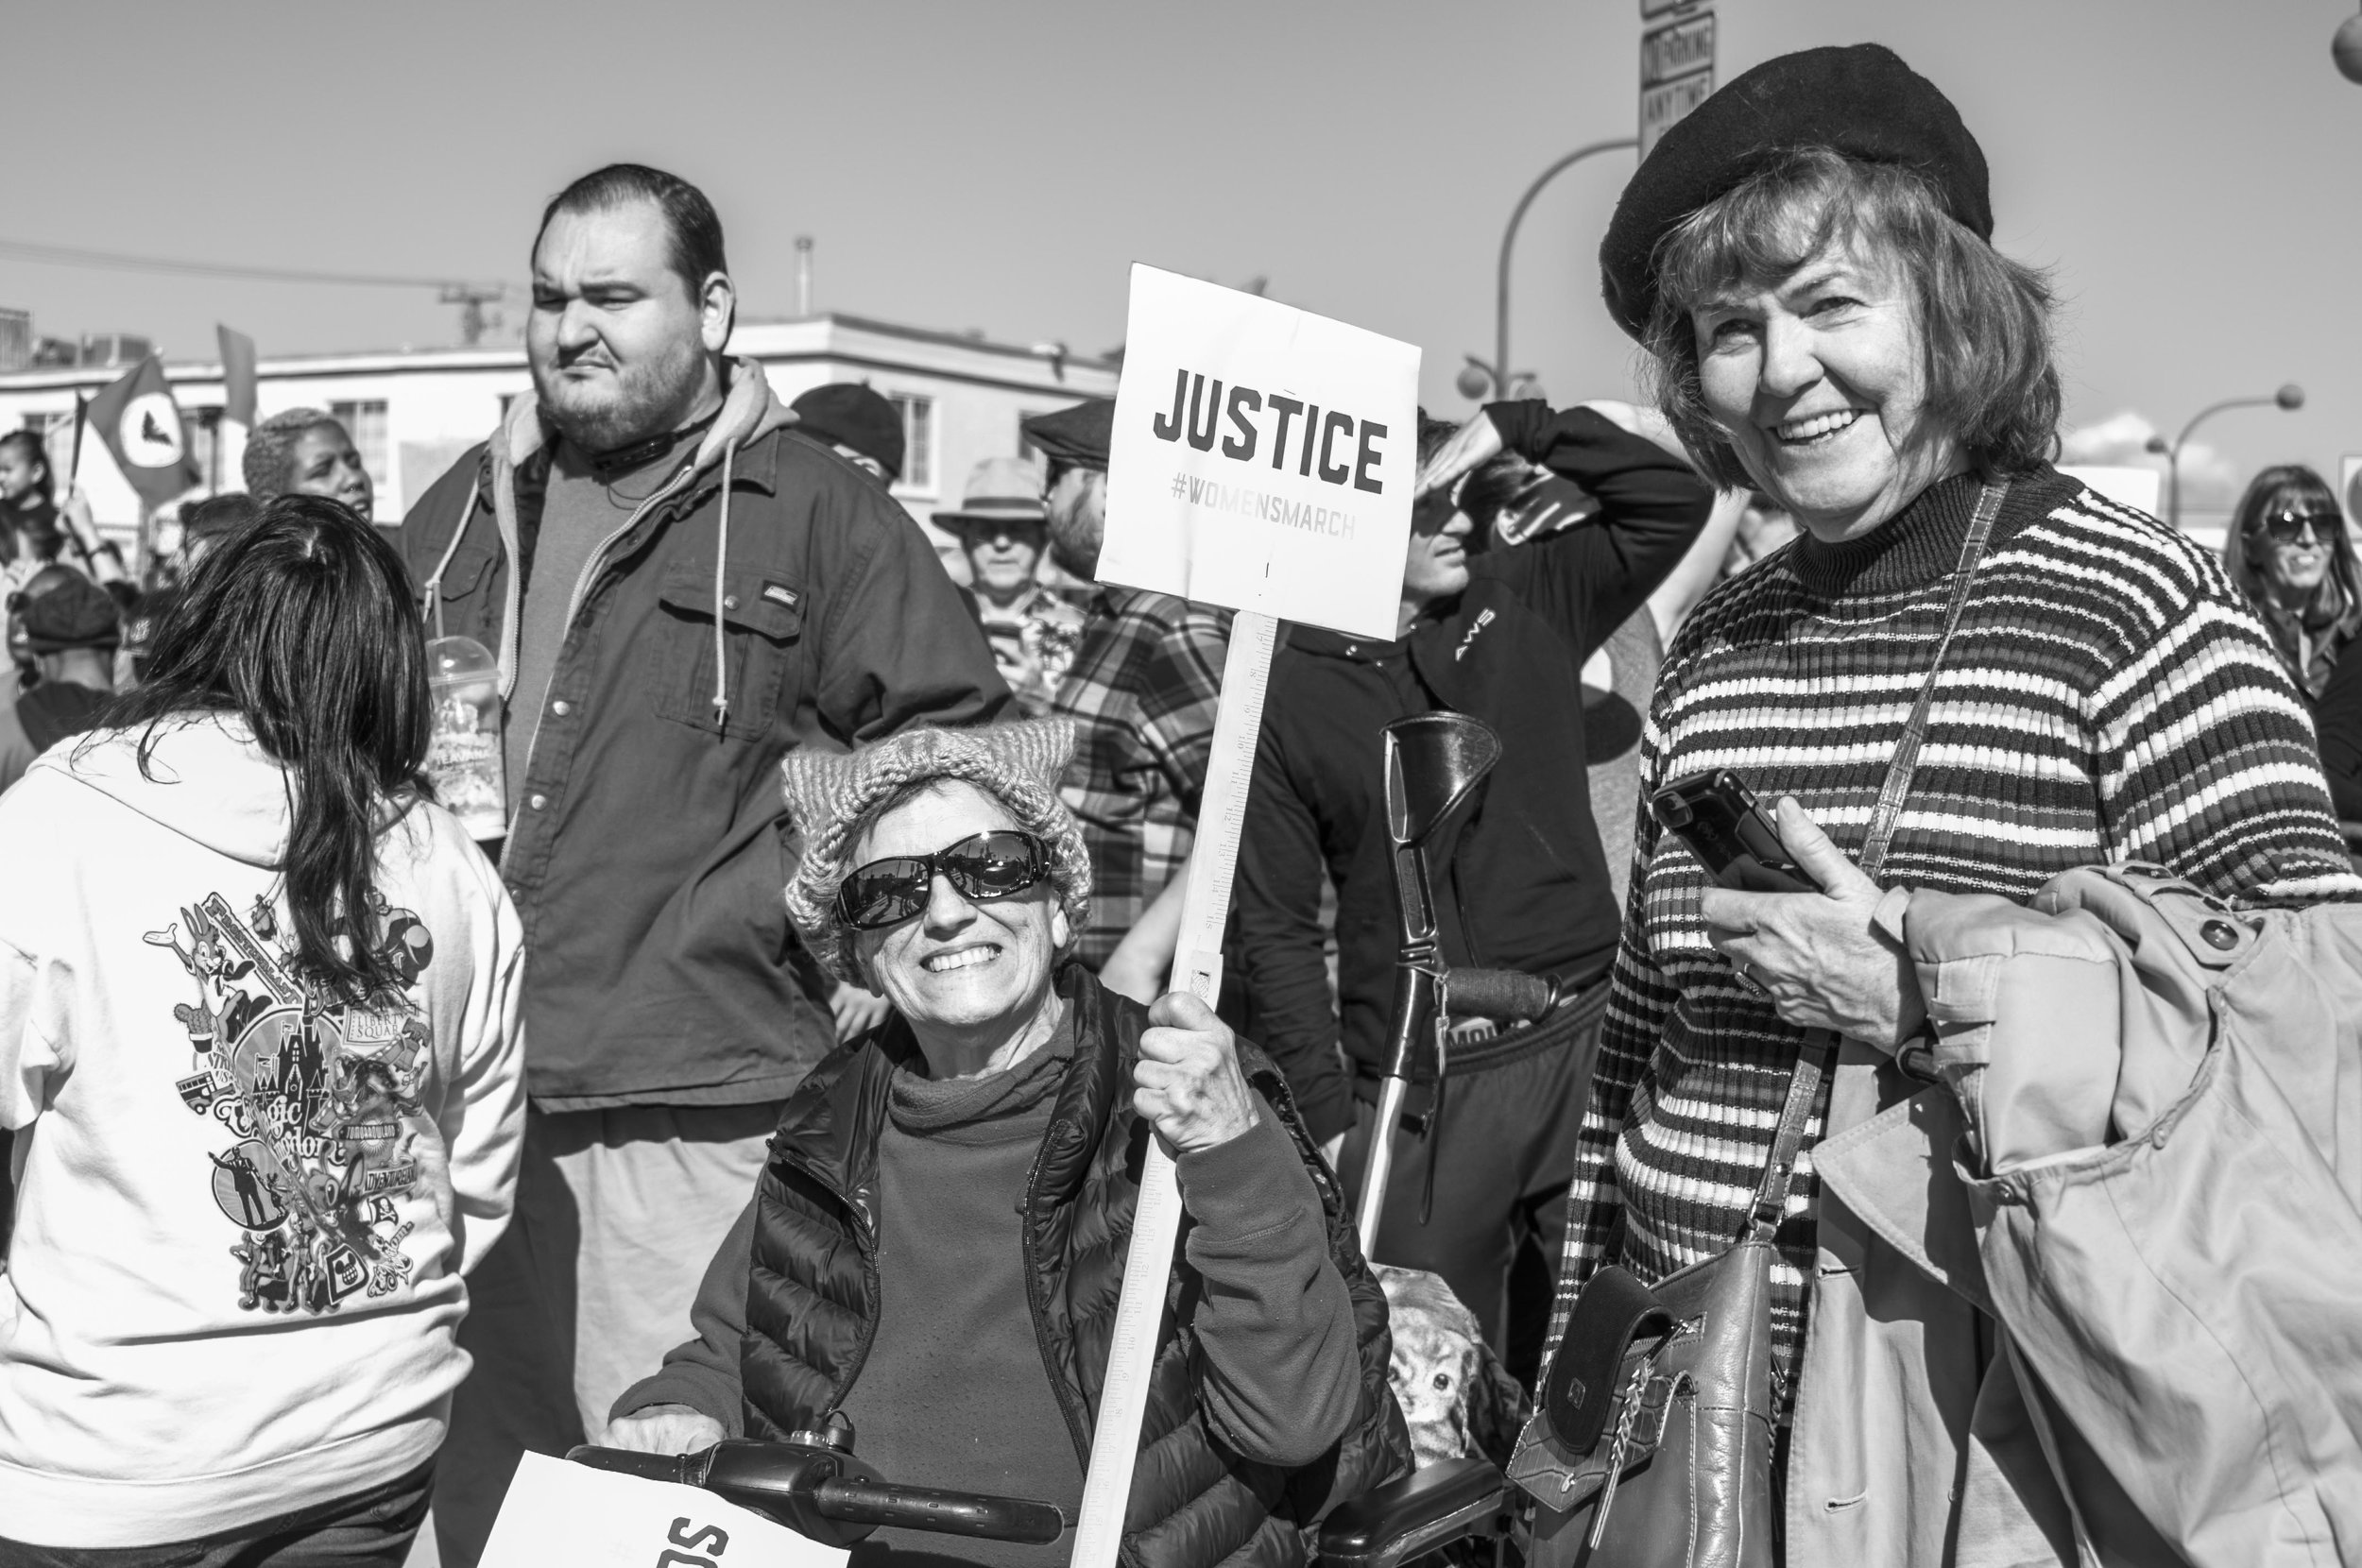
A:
<point x="242" y="1217"/>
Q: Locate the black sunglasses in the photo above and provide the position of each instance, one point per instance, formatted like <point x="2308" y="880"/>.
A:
<point x="981" y="867"/>
<point x="2290" y="526"/>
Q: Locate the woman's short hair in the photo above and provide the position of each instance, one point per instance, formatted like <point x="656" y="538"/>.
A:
<point x="835" y="800"/>
<point x="1985" y="319"/>
<point x="2285" y="487"/>
<point x="300" y="622"/>
<point x="269" y="461"/>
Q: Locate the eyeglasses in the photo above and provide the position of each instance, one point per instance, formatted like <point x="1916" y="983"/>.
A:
<point x="982" y="868"/>
<point x="2290" y="526"/>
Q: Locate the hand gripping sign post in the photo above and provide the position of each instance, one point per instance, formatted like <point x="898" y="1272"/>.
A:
<point x="1262" y="460"/>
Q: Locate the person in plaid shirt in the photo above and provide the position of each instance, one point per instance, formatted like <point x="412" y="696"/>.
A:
<point x="1142" y="690"/>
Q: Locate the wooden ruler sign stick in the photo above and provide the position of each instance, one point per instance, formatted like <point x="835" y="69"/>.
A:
<point x="1262" y="460"/>
<point x="1157" y="1219"/>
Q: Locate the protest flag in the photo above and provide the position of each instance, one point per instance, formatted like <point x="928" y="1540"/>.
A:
<point x="140" y="425"/>
<point x="237" y="375"/>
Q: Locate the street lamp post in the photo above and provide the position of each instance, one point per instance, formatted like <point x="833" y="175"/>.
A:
<point x="1499" y="367"/>
<point x="2290" y="397"/>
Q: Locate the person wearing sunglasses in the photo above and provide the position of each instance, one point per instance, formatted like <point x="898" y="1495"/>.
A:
<point x="936" y="1248"/>
<point x="2289" y="551"/>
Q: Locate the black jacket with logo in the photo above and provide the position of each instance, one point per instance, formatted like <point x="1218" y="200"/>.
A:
<point x="1527" y="886"/>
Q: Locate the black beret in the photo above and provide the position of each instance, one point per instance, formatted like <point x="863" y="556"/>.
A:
<point x="77" y="613"/>
<point x="1863" y="101"/>
<point x="1075" y="437"/>
<point x="850" y="414"/>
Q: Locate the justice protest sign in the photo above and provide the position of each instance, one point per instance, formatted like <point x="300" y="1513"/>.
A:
<point x="1263" y="460"/>
<point x="1262" y="457"/>
<point x="557" y="1513"/>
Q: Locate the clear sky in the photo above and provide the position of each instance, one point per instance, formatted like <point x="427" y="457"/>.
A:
<point x="2186" y="166"/>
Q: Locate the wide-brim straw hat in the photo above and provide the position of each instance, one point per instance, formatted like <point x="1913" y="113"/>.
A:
<point x="1018" y="764"/>
<point x="1002" y="489"/>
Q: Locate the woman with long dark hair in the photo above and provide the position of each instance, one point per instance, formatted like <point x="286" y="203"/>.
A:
<point x="258" y="1048"/>
<point x="2289" y="551"/>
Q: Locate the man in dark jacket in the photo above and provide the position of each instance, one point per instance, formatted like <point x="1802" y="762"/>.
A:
<point x="681" y="590"/>
<point x="1501" y="635"/>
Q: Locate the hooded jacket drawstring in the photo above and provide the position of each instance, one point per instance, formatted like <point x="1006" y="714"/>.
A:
<point x="721" y="565"/>
<point x="749" y="410"/>
<point x="434" y="594"/>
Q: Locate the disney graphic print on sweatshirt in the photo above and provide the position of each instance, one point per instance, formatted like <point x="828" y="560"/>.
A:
<point x="313" y="1092"/>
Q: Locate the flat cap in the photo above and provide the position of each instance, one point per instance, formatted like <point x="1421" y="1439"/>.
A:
<point x="1862" y="101"/>
<point x="1075" y="437"/>
<point x="75" y="614"/>
<point x="848" y="413"/>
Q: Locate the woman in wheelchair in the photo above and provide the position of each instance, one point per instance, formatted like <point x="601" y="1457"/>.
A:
<point x="936" y="1248"/>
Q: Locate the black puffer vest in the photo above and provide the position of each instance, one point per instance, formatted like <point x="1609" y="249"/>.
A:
<point x="811" y="1300"/>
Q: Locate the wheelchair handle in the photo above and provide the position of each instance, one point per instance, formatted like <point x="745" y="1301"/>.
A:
<point x="832" y="1496"/>
<point x="1506" y="996"/>
<point x="970" y="1513"/>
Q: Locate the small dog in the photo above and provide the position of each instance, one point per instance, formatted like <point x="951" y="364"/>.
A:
<point x="1456" y="1397"/>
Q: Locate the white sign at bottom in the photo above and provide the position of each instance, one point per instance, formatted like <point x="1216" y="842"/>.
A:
<point x="557" y="1513"/>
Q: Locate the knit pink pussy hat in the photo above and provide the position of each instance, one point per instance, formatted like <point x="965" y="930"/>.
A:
<point x="1017" y="764"/>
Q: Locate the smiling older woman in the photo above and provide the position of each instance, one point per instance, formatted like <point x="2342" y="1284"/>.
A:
<point x="1807" y="260"/>
<point x="937" y="1248"/>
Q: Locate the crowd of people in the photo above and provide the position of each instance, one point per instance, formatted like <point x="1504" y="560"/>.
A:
<point x="784" y="1059"/>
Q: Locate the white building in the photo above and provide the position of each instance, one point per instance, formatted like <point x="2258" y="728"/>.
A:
<point x="413" y="413"/>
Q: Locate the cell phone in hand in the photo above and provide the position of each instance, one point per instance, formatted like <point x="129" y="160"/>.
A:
<point x="1717" y="816"/>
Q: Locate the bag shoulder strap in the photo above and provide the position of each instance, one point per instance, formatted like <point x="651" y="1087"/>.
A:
<point x="1820" y="1047"/>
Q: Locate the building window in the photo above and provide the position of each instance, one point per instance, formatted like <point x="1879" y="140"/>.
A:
<point x="919" y="440"/>
<point x="366" y="423"/>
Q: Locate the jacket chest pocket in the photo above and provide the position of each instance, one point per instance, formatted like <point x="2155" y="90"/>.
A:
<point x="462" y="603"/>
<point x="761" y="620"/>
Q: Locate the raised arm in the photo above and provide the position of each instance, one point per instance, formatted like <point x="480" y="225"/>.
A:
<point x="1586" y="579"/>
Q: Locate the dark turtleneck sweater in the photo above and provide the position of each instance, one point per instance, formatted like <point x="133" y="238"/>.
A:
<point x="2108" y="696"/>
<point x="955" y="1384"/>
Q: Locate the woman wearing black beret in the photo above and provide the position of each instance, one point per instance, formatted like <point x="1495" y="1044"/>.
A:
<point x="1808" y="260"/>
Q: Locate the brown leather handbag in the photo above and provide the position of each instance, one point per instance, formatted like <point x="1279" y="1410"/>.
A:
<point x="1652" y="1447"/>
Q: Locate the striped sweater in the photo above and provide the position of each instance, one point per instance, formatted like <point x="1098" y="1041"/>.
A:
<point x="2108" y="697"/>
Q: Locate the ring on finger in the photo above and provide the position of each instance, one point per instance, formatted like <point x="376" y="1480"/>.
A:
<point x="1749" y="977"/>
